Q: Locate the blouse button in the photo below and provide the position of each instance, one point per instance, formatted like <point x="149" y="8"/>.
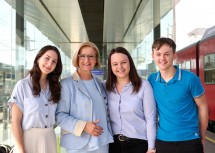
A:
<point x="45" y="126"/>
<point x="46" y="116"/>
<point x="46" y="104"/>
<point x="104" y="97"/>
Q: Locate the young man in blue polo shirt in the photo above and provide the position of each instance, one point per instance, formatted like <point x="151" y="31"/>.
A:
<point x="181" y="103"/>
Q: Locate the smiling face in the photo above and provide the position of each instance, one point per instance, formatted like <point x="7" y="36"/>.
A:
<point x="47" y="62"/>
<point x="87" y="59"/>
<point x="120" y="65"/>
<point x="164" y="57"/>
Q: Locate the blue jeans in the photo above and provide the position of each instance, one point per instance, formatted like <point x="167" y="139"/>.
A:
<point x="190" y="146"/>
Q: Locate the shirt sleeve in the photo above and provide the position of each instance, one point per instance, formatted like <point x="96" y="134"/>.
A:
<point x="150" y="114"/>
<point x="196" y="87"/>
<point x="17" y="96"/>
<point x="79" y="128"/>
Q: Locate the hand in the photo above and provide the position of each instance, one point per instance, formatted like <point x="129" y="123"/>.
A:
<point x="19" y="149"/>
<point x="203" y="144"/>
<point x="151" y="150"/>
<point x="93" y="129"/>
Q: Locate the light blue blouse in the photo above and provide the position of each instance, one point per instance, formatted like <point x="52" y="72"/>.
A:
<point x="134" y="114"/>
<point x="38" y="112"/>
<point x="98" y="105"/>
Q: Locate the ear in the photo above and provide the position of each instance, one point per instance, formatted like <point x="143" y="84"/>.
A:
<point x="38" y="60"/>
<point x="174" y="56"/>
<point x="153" y="55"/>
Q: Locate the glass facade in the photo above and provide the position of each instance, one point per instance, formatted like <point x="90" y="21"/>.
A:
<point x="25" y="26"/>
<point x="21" y="38"/>
<point x="7" y="65"/>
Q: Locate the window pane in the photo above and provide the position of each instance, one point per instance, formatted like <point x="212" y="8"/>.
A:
<point x="209" y="68"/>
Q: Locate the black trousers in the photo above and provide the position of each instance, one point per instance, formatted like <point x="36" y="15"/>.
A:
<point x="190" y="146"/>
<point x="128" y="146"/>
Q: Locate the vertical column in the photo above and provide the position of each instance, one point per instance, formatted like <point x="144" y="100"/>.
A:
<point x="156" y="18"/>
<point x="174" y="22"/>
<point x="156" y="30"/>
<point x="20" y="22"/>
<point x="20" y="41"/>
<point x="104" y="61"/>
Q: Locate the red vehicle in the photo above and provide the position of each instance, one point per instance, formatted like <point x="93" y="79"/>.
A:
<point x="199" y="58"/>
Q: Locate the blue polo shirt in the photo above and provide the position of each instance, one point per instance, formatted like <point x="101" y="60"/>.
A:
<point x="177" y="110"/>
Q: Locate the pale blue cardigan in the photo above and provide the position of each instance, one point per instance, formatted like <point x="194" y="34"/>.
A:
<point x="71" y="115"/>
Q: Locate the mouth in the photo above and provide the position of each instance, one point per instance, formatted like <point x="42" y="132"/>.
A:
<point x="163" y="63"/>
<point x="121" y="71"/>
<point x="47" y="68"/>
<point x="86" y="64"/>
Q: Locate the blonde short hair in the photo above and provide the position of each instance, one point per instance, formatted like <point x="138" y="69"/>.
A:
<point x="75" y="58"/>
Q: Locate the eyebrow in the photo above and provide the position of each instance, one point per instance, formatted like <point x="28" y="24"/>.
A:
<point x="168" y="51"/>
<point x="53" y="59"/>
<point x="121" y="61"/>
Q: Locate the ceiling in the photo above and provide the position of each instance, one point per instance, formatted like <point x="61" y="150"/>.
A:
<point x="100" y="21"/>
<point x="104" y="22"/>
<point x="107" y="23"/>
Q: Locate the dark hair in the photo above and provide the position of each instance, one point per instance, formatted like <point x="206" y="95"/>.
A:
<point x="53" y="77"/>
<point x="133" y="75"/>
<point x="158" y="43"/>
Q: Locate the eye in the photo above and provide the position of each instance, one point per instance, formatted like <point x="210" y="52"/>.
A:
<point x="54" y="62"/>
<point x="81" y="56"/>
<point x="91" y="56"/>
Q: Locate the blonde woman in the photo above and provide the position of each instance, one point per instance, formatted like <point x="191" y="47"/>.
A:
<point x="82" y="111"/>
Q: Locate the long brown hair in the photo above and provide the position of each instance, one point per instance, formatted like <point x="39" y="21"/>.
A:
<point x="133" y="75"/>
<point x="53" y="77"/>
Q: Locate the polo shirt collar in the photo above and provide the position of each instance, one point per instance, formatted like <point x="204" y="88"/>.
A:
<point x="177" y="76"/>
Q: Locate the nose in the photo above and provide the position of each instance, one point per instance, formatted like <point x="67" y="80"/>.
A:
<point x="49" y="63"/>
<point x="86" y="58"/>
<point x="162" y="57"/>
<point x="120" y="65"/>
